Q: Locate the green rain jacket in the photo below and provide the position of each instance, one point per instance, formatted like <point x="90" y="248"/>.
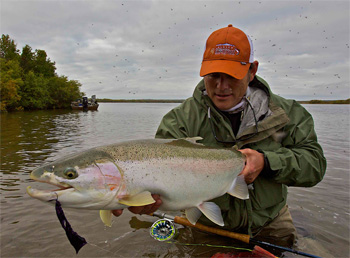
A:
<point x="295" y="160"/>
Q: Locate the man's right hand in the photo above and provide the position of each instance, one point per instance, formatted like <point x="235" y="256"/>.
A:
<point x="147" y="209"/>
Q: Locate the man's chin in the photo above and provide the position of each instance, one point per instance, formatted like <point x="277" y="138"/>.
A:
<point x="223" y="103"/>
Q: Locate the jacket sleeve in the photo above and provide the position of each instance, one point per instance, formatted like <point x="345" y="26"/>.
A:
<point x="170" y="128"/>
<point x="300" y="160"/>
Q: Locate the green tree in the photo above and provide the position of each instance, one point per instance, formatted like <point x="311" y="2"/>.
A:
<point x="29" y="80"/>
<point x="11" y="81"/>
<point x="8" y="48"/>
<point x="27" y="59"/>
<point x="34" y="92"/>
<point x="63" y="91"/>
<point x="43" y="65"/>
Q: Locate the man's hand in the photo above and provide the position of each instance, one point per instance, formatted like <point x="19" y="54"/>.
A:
<point x="254" y="165"/>
<point x="147" y="209"/>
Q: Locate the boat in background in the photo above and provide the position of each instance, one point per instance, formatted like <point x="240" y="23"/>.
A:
<point x="85" y="104"/>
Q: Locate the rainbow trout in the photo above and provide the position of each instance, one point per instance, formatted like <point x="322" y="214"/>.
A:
<point x="184" y="173"/>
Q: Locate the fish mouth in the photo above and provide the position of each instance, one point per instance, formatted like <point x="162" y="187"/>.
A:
<point x="48" y="195"/>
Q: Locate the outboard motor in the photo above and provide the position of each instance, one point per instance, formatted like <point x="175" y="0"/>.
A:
<point x="85" y="104"/>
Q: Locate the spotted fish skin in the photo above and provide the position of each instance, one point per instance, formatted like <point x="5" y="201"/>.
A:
<point x="184" y="173"/>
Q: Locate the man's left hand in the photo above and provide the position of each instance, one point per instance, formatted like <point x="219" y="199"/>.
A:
<point x="254" y="165"/>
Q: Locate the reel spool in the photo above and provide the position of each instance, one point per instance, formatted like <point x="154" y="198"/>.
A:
<point x="163" y="230"/>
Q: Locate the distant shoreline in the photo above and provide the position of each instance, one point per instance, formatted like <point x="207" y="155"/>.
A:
<point x="347" y="101"/>
<point x="140" y="100"/>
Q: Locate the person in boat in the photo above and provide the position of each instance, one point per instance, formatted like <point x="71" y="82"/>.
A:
<point x="232" y="106"/>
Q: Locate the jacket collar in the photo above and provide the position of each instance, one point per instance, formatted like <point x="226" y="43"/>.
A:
<point x="271" y="117"/>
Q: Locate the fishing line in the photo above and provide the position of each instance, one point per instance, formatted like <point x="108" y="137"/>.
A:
<point x="101" y="248"/>
<point x="257" y="250"/>
<point x="209" y="245"/>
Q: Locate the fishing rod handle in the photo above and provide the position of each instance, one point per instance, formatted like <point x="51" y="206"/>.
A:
<point x="242" y="237"/>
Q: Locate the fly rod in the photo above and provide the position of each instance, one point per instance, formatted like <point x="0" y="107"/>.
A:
<point x="238" y="236"/>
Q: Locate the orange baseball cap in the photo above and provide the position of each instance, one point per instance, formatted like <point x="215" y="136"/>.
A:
<point x="228" y="50"/>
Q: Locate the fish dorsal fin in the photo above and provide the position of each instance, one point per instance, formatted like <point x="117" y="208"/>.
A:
<point x="194" y="139"/>
<point x="239" y="188"/>
<point x="212" y="212"/>
<point x="193" y="214"/>
<point x="187" y="142"/>
<point x="106" y="217"/>
<point x="140" y="199"/>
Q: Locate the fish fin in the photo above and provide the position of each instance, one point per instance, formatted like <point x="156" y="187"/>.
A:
<point x="193" y="214"/>
<point x="239" y="188"/>
<point x="187" y="142"/>
<point x="212" y="212"/>
<point x="140" y="199"/>
<point x="194" y="139"/>
<point x="106" y="217"/>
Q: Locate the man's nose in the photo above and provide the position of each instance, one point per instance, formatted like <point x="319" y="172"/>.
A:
<point x="223" y="82"/>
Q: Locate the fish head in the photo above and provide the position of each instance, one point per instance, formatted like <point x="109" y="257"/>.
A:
<point x="89" y="180"/>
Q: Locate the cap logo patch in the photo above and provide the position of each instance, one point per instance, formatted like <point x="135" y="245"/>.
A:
<point x="226" y="49"/>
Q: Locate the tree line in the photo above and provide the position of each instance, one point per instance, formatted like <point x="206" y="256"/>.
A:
<point x="317" y="101"/>
<point x="29" y="80"/>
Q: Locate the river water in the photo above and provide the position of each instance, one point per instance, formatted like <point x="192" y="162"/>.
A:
<point x="30" y="228"/>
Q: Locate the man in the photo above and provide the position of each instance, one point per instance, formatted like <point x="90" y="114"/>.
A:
<point x="232" y="106"/>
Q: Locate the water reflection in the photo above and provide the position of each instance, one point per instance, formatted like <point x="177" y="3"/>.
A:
<point x="27" y="138"/>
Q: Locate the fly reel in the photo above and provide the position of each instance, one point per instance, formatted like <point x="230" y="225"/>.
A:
<point x="163" y="230"/>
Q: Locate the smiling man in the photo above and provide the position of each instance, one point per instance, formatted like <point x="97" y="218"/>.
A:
<point x="232" y="106"/>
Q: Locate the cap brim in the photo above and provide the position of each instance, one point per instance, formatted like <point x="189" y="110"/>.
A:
<point x="232" y="68"/>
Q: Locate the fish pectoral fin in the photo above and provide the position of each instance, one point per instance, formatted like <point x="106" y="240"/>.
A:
<point x="212" y="212"/>
<point x="239" y="188"/>
<point x="193" y="214"/>
<point x="140" y="199"/>
<point x="106" y="217"/>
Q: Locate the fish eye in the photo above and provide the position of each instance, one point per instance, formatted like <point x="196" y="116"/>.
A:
<point x="70" y="173"/>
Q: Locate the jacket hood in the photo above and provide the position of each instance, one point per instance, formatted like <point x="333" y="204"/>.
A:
<point x="260" y="110"/>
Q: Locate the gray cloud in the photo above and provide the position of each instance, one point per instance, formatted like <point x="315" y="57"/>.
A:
<point x="153" y="49"/>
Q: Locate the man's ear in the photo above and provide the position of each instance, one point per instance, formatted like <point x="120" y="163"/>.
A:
<point x="253" y="70"/>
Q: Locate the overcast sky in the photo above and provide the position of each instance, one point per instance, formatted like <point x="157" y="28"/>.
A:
<point x="154" y="49"/>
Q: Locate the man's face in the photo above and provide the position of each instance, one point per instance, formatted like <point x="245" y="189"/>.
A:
<point x="226" y="91"/>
